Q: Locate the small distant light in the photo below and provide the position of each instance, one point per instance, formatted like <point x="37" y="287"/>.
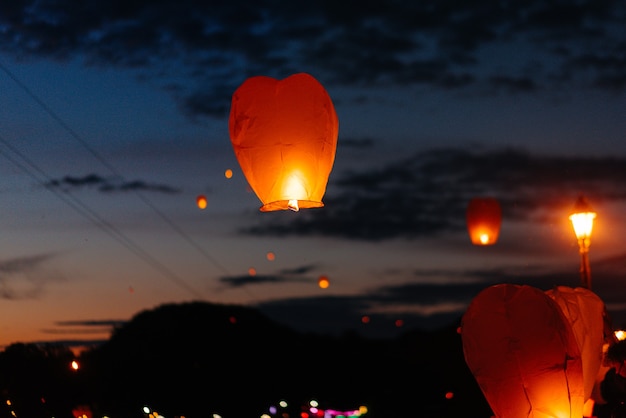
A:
<point x="228" y="173"/>
<point x="74" y="365"/>
<point x="252" y="271"/>
<point x="365" y="319"/>
<point x="449" y="395"/>
<point x="399" y="322"/>
<point x="323" y="282"/>
<point x="201" y="202"/>
<point x="271" y="256"/>
<point x="232" y="320"/>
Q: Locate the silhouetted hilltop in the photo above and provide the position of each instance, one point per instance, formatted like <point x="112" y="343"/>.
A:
<point x="199" y="358"/>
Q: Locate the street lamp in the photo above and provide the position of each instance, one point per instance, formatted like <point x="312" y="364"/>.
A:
<point x="582" y="217"/>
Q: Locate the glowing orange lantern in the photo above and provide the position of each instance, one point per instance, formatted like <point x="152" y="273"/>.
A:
<point x="201" y="202"/>
<point x="483" y="217"/>
<point x="284" y="133"/>
<point x="323" y="282"/>
<point x="522" y="351"/>
<point x="82" y="411"/>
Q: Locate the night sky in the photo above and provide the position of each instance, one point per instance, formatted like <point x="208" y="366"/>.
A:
<point x="114" y="118"/>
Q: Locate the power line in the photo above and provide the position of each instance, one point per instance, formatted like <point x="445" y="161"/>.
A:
<point x="113" y="170"/>
<point x="30" y="168"/>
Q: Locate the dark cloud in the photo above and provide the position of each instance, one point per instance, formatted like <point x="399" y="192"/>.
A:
<point x="201" y="51"/>
<point x="427" y="194"/>
<point x="84" y="327"/>
<point x="103" y="184"/>
<point x="245" y="280"/>
<point x="437" y="298"/>
<point x="96" y="323"/>
<point x="23" y="278"/>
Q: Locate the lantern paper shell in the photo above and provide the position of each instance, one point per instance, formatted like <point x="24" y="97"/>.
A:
<point x="483" y="217"/>
<point x="284" y="134"/>
<point x="521" y="349"/>
<point x="585" y="312"/>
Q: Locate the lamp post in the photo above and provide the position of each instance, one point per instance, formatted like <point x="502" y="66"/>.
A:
<point x="582" y="217"/>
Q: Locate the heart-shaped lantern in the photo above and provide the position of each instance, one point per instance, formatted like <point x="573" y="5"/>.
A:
<point x="522" y="351"/>
<point x="284" y="133"/>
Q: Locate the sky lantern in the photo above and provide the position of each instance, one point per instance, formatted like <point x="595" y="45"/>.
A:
<point x="586" y="314"/>
<point x="82" y="411"/>
<point x="201" y="201"/>
<point x="523" y="353"/>
<point x="284" y="134"/>
<point x="323" y="282"/>
<point x="483" y="217"/>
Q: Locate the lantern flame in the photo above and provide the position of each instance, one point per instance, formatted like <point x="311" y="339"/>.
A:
<point x="293" y="205"/>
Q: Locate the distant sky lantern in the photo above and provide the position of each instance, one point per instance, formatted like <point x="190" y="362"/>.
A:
<point x="228" y="173"/>
<point x="201" y="202"/>
<point x="323" y="282"/>
<point x="284" y="134"/>
<point x="483" y="217"/>
<point x="271" y="256"/>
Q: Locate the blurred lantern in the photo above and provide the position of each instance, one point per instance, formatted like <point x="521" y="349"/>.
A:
<point x="284" y="133"/>
<point x="82" y="411"/>
<point x="587" y="316"/>
<point x="323" y="282"/>
<point x="201" y="202"/>
<point x="522" y="351"/>
<point x="483" y="217"/>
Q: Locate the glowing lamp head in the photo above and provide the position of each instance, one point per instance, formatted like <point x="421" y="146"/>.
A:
<point x="284" y="134"/>
<point x="582" y="218"/>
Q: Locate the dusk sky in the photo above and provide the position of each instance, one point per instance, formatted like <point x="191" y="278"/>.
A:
<point x="114" y="118"/>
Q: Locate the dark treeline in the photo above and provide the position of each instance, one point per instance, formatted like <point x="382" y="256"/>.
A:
<point x="198" y="359"/>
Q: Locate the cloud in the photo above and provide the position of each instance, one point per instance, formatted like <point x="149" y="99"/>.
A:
<point x="201" y="52"/>
<point x="23" y="278"/>
<point x="426" y="194"/>
<point x="245" y="280"/>
<point x="103" y="184"/>
<point x="436" y="298"/>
